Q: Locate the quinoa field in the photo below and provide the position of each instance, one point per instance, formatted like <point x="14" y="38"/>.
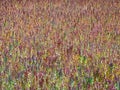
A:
<point x="59" y="44"/>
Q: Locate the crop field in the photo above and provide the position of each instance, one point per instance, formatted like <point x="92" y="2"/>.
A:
<point x="59" y="44"/>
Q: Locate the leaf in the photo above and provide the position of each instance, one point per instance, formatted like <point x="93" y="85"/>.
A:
<point x="10" y="47"/>
<point x="28" y="84"/>
<point x="5" y="59"/>
<point x="87" y="81"/>
<point x="16" y="43"/>
<point x="5" y="23"/>
<point x="90" y="80"/>
<point x="71" y="82"/>
<point x="60" y="73"/>
<point x="79" y="69"/>
<point x="83" y="59"/>
<point x="111" y="66"/>
<point x="55" y="87"/>
<point x="1" y="68"/>
<point x="10" y="85"/>
<point x="117" y="85"/>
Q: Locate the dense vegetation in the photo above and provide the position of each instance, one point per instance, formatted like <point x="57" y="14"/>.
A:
<point x="59" y="45"/>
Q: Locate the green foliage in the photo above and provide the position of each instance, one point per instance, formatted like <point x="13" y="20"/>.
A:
<point x="88" y="81"/>
<point x="9" y="85"/>
<point x="5" y="58"/>
<point x="83" y="59"/>
<point x="117" y="85"/>
<point x="5" y="23"/>
<point x="10" y="47"/>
